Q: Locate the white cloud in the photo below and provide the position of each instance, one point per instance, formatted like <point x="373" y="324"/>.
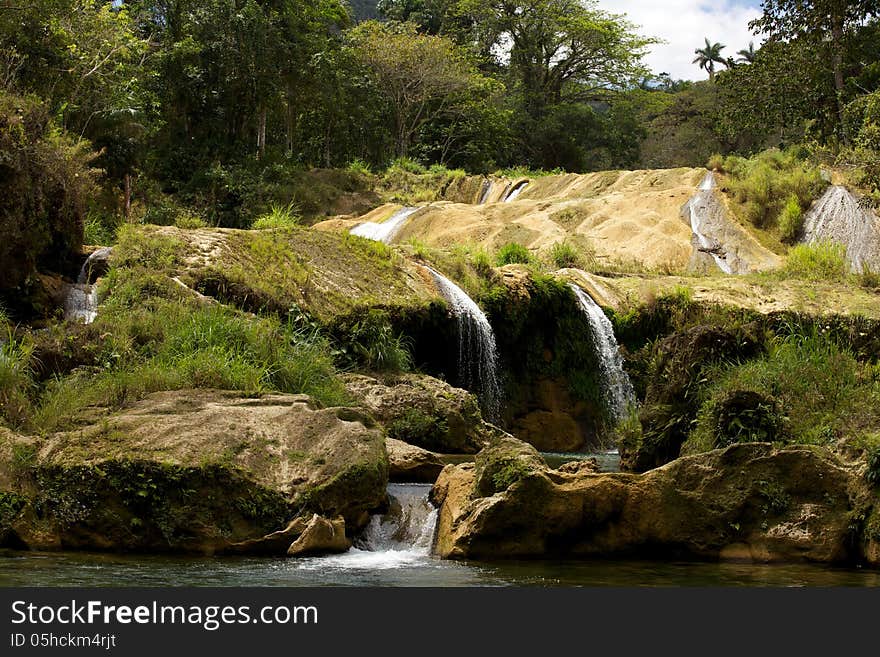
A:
<point x="683" y="25"/>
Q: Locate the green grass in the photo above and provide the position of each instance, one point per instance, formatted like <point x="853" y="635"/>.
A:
<point x="15" y="376"/>
<point x="564" y="255"/>
<point x="820" y="261"/>
<point x="279" y="216"/>
<point x="513" y="253"/>
<point x="824" y="392"/>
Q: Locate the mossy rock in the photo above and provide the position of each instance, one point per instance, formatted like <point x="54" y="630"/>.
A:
<point x="505" y="462"/>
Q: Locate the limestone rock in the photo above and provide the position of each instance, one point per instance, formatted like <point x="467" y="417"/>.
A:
<point x="320" y="536"/>
<point x="423" y="411"/>
<point x="193" y="471"/>
<point x="411" y="464"/>
<point x="747" y="501"/>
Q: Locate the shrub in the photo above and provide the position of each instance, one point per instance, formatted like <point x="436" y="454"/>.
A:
<point x="190" y="221"/>
<point x="873" y="472"/>
<point x="791" y="219"/>
<point x="278" y="217"/>
<point x="716" y="163"/>
<point x="820" y="261"/>
<point x="372" y="343"/>
<point x="513" y="253"/>
<point x="358" y="166"/>
<point x="16" y="383"/>
<point x="564" y="255"/>
<point x="45" y="185"/>
<point x="99" y="230"/>
<point x="869" y="278"/>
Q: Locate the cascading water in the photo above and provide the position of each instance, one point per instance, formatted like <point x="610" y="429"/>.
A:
<point x="698" y="208"/>
<point x="837" y="216"/>
<point x="486" y="192"/>
<point x="618" y="390"/>
<point x="477" y="353"/>
<point x="516" y="191"/>
<point x="387" y="230"/>
<point x="403" y="537"/>
<point x="81" y="298"/>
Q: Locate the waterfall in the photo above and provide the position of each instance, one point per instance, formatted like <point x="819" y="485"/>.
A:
<point x="618" y="391"/>
<point x="698" y="208"/>
<point x="516" y="191"/>
<point x="386" y="231"/>
<point x="486" y="191"/>
<point x="81" y="298"/>
<point x="407" y="527"/>
<point x="837" y="216"/>
<point x="477" y="354"/>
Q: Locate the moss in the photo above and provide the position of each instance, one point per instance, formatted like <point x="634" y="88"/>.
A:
<point x="11" y="505"/>
<point x="419" y="428"/>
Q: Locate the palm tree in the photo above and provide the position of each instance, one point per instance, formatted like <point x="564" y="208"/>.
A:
<point x="748" y="56"/>
<point x="710" y="55"/>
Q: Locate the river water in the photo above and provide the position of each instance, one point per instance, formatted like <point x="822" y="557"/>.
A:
<point x="395" y="551"/>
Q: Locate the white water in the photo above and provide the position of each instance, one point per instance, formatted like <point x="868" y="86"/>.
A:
<point x="488" y="185"/>
<point x="618" y="390"/>
<point x="402" y="537"/>
<point x="387" y="230"/>
<point x="516" y="191"/>
<point x="697" y="208"/>
<point x="81" y="298"/>
<point x="837" y="216"/>
<point x="477" y="353"/>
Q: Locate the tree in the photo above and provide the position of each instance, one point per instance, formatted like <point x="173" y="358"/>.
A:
<point x="829" y="22"/>
<point x="420" y="76"/>
<point x="709" y="56"/>
<point x="747" y="56"/>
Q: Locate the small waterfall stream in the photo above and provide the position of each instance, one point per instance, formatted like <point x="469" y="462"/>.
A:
<point x="387" y="230"/>
<point x="516" y="191"/>
<point x="401" y="538"/>
<point x="618" y="389"/>
<point x="81" y="298"/>
<point x="698" y="207"/>
<point x="477" y="353"/>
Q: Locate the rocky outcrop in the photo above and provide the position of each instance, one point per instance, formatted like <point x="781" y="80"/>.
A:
<point x="320" y="536"/>
<point x="745" y="502"/>
<point x="191" y="471"/>
<point x="423" y="411"/>
<point x="409" y="464"/>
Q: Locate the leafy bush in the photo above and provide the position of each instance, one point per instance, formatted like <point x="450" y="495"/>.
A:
<point x="716" y="163"/>
<point x="764" y="186"/>
<point x="564" y="255"/>
<point x="360" y="167"/>
<point x="820" y="261"/>
<point x="791" y="219"/>
<point x="99" y="230"/>
<point x="190" y="221"/>
<point x="45" y="185"/>
<point x="513" y="253"/>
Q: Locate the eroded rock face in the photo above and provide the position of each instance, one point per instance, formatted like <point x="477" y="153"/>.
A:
<point x="191" y="471"/>
<point x="744" y="502"/>
<point x="423" y="411"/>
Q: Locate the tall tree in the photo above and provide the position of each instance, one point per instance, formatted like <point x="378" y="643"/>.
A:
<point x="421" y="76"/>
<point x="829" y="22"/>
<point x="748" y="55"/>
<point x="708" y="56"/>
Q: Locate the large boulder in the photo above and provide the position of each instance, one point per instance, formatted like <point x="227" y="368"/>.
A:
<point x="409" y="464"/>
<point x="749" y="501"/>
<point x="423" y="411"/>
<point x="190" y="471"/>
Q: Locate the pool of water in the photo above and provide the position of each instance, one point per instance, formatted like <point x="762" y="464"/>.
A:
<point x="400" y="568"/>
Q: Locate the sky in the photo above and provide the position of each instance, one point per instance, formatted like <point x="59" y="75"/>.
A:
<point x="684" y="24"/>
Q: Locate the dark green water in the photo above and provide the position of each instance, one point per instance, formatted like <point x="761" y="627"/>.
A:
<point x="358" y="568"/>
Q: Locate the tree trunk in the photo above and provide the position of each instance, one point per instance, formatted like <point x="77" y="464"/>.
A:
<point x="837" y="63"/>
<point x="261" y="134"/>
<point x="126" y="203"/>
